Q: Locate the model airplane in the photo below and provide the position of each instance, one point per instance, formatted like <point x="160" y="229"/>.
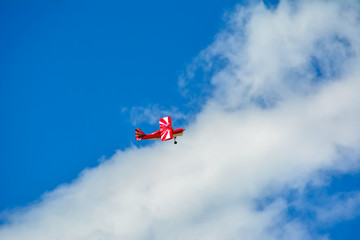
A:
<point x="165" y="133"/>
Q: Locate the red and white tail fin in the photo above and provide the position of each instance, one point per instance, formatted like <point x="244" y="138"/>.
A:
<point x="139" y="134"/>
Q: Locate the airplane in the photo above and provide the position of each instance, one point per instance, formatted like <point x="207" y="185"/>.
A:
<point x="165" y="133"/>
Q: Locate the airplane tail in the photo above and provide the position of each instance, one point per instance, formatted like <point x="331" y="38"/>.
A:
<point x="139" y="134"/>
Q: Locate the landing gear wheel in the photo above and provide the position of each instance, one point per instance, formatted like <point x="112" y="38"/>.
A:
<point x="175" y="142"/>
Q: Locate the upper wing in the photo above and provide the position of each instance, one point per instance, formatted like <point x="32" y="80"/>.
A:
<point x="166" y="128"/>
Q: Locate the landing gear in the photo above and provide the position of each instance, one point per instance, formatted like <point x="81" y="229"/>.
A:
<point x="175" y="142"/>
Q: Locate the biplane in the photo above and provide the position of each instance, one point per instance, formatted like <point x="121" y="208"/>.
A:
<point x="165" y="133"/>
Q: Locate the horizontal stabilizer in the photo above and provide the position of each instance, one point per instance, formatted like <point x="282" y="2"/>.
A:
<point x="139" y="134"/>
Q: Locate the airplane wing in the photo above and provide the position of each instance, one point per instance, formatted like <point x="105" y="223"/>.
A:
<point x="166" y="130"/>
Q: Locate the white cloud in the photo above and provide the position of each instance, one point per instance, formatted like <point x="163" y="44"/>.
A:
<point x="272" y="124"/>
<point x="152" y="113"/>
<point x="340" y="207"/>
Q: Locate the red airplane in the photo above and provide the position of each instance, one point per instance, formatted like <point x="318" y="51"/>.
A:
<point x="165" y="133"/>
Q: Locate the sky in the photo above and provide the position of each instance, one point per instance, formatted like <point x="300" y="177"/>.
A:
<point x="76" y="73"/>
<point x="267" y="93"/>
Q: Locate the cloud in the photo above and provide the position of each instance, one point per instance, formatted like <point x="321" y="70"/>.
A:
<point x="270" y="55"/>
<point x="285" y="107"/>
<point x="340" y="207"/>
<point x="152" y="113"/>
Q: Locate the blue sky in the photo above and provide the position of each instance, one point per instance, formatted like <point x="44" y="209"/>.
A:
<point x="69" y="70"/>
<point x="77" y="75"/>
